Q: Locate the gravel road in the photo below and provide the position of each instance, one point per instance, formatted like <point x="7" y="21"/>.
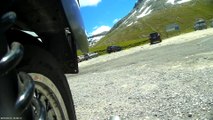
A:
<point x="169" y="80"/>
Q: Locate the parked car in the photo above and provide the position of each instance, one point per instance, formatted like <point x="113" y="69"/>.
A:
<point x="113" y="49"/>
<point x="90" y="56"/>
<point x="211" y="23"/>
<point x="80" y="58"/>
<point x="87" y="56"/>
<point x="83" y="57"/>
<point x="200" y="25"/>
<point x="93" y="55"/>
<point x="154" y="38"/>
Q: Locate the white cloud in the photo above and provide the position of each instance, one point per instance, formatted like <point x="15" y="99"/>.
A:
<point x="84" y="3"/>
<point x="100" y="29"/>
<point x="116" y="20"/>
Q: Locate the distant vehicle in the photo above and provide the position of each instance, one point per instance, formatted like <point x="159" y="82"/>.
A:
<point x="113" y="49"/>
<point x="87" y="56"/>
<point x="200" y="25"/>
<point x="172" y="27"/>
<point x="211" y="23"/>
<point x="154" y="38"/>
<point x="83" y="57"/>
<point x="93" y="55"/>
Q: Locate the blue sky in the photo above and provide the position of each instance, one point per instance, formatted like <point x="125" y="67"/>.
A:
<point x="101" y="15"/>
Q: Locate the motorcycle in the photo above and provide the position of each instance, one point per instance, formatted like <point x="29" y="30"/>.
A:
<point x="32" y="67"/>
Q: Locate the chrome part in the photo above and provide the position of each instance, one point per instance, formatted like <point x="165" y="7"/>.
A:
<point x="12" y="58"/>
<point x="72" y="12"/>
<point x="7" y="20"/>
<point x="26" y="91"/>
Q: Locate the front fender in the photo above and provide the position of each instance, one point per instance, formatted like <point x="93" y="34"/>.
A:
<point x="71" y="9"/>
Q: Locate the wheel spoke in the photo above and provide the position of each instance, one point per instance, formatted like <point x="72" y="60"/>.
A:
<point x="50" y="111"/>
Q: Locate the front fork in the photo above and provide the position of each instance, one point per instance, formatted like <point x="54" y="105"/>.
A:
<point x="16" y="89"/>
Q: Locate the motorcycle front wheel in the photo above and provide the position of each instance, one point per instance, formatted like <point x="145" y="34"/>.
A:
<point x="51" y="86"/>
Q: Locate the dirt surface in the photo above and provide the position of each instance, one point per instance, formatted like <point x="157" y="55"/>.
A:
<point x="170" y="80"/>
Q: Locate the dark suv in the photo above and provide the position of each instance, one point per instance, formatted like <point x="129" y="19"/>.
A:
<point x="200" y="25"/>
<point x="113" y="49"/>
<point x="154" y="38"/>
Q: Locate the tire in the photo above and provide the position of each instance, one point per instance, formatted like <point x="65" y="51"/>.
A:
<point x="50" y="82"/>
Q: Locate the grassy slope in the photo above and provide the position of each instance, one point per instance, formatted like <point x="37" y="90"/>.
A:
<point x="184" y="15"/>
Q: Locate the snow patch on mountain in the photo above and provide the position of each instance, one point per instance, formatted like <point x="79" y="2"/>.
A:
<point x="142" y="8"/>
<point x="94" y="40"/>
<point x="183" y="1"/>
<point x="147" y="11"/>
<point x="130" y="24"/>
<point x="133" y="14"/>
<point x="126" y="21"/>
<point x="177" y="1"/>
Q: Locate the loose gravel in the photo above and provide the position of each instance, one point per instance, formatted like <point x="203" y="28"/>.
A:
<point x="174" y="90"/>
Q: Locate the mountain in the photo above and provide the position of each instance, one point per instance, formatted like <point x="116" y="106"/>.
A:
<point x="154" y="15"/>
<point x="95" y="38"/>
<point x="145" y="7"/>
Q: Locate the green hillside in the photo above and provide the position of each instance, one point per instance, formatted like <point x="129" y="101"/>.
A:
<point x="184" y="15"/>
